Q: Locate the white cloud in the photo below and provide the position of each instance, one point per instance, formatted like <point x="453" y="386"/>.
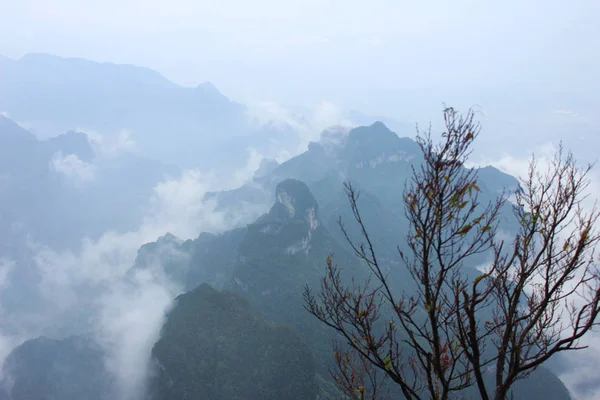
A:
<point x="582" y="369"/>
<point x="126" y="308"/>
<point x="518" y="166"/>
<point x="568" y="113"/>
<point x="327" y="114"/>
<point x="126" y="311"/>
<point x="544" y="156"/>
<point x="74" y="169"/>
<point x="132" y="314"/>
<point x="245" y="174"/>
<point x="572" y="117"/>
<point x="177" y="206"/>
<point x="306" y="123"/>
<point x="7" y="341"/>
<point x="6" y="267"/>
<point x="110" y="145"/>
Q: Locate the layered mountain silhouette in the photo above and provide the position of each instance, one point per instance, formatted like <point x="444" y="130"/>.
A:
<point x="378" y="163"/>
<point x="251" y="338"/>
<point x="55" y="194"/>
<point x="190" y="127"/>
<point x="55" y="190"/>
<point x="195" y="127"/>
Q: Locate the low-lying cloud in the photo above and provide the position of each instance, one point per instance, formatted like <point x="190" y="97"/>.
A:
<point x="307" y="123"/>
<point x="96" y="290"/>
<point x="107" y="145"/>
<point x="132" y="314"/>
<point x="74" y="169"/>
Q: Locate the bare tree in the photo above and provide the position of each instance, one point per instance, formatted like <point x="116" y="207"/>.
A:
<point x="539" y="295"/>
<point x="356" y="377"/>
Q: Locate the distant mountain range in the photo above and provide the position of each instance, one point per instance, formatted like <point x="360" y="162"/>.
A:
<point x="56" y="191"/>
<point x="237" y="329"/>
<point x="190" y="127"/>
<point x="57" y="194"/>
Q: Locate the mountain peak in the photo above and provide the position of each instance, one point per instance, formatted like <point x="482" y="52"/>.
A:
<point x="209" y="88"/>
<point x="294" y="200"/>
<point x="379" y="125"/>
<point x="80" y="70"/>
<point x="211" y="97"/>
<point x="289" y="226"/>
<point x="10" y="129"/>
<point x="363" y="119"/>
<point x="72" y="142"/>
<point x="168" y="238"/>
<point x="376" y="131"/>
<point x="267" y="166"/>
<point x="376" y="144"/>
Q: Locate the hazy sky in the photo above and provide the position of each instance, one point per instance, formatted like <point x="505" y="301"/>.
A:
<point x="532" y="67"/>
<point x="396" y="58"/>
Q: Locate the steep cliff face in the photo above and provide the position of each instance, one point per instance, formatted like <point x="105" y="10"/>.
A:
<point x="283" y="251"/>
<point x="214" y="346"/>
<point x="290" y="225"/>
<point x="207" y="259"/>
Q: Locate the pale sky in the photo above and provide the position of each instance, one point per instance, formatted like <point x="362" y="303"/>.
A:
<point x="385" y="57"/>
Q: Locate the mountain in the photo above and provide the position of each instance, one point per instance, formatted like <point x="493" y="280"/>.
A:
<point x="377" y="162"/>
<point x="222" y="344"/>
<point x="207" y="259"/>
<point x="214" y="346"/>
<point x="540" y="384"/>
<point x="365" y="155"/>
<point x="54" y="194"/>
<point x="285" y="249"/>
<point x="278" y="255"/>
<point x="268" y="262"/>
<point x="361" y="119"/>
<point x="189" y="127"/>
<point x="48" y="369"/>
<point x="373" y="157"/>
<point x="48" y="187"/>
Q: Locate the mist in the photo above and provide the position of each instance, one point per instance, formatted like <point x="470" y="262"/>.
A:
<point x="123" y="123"/>
<point x="124" y="312"/>
<point x="91" y="288"/>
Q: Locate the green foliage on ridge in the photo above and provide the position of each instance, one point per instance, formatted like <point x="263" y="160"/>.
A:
<point x="214" y="346"/>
